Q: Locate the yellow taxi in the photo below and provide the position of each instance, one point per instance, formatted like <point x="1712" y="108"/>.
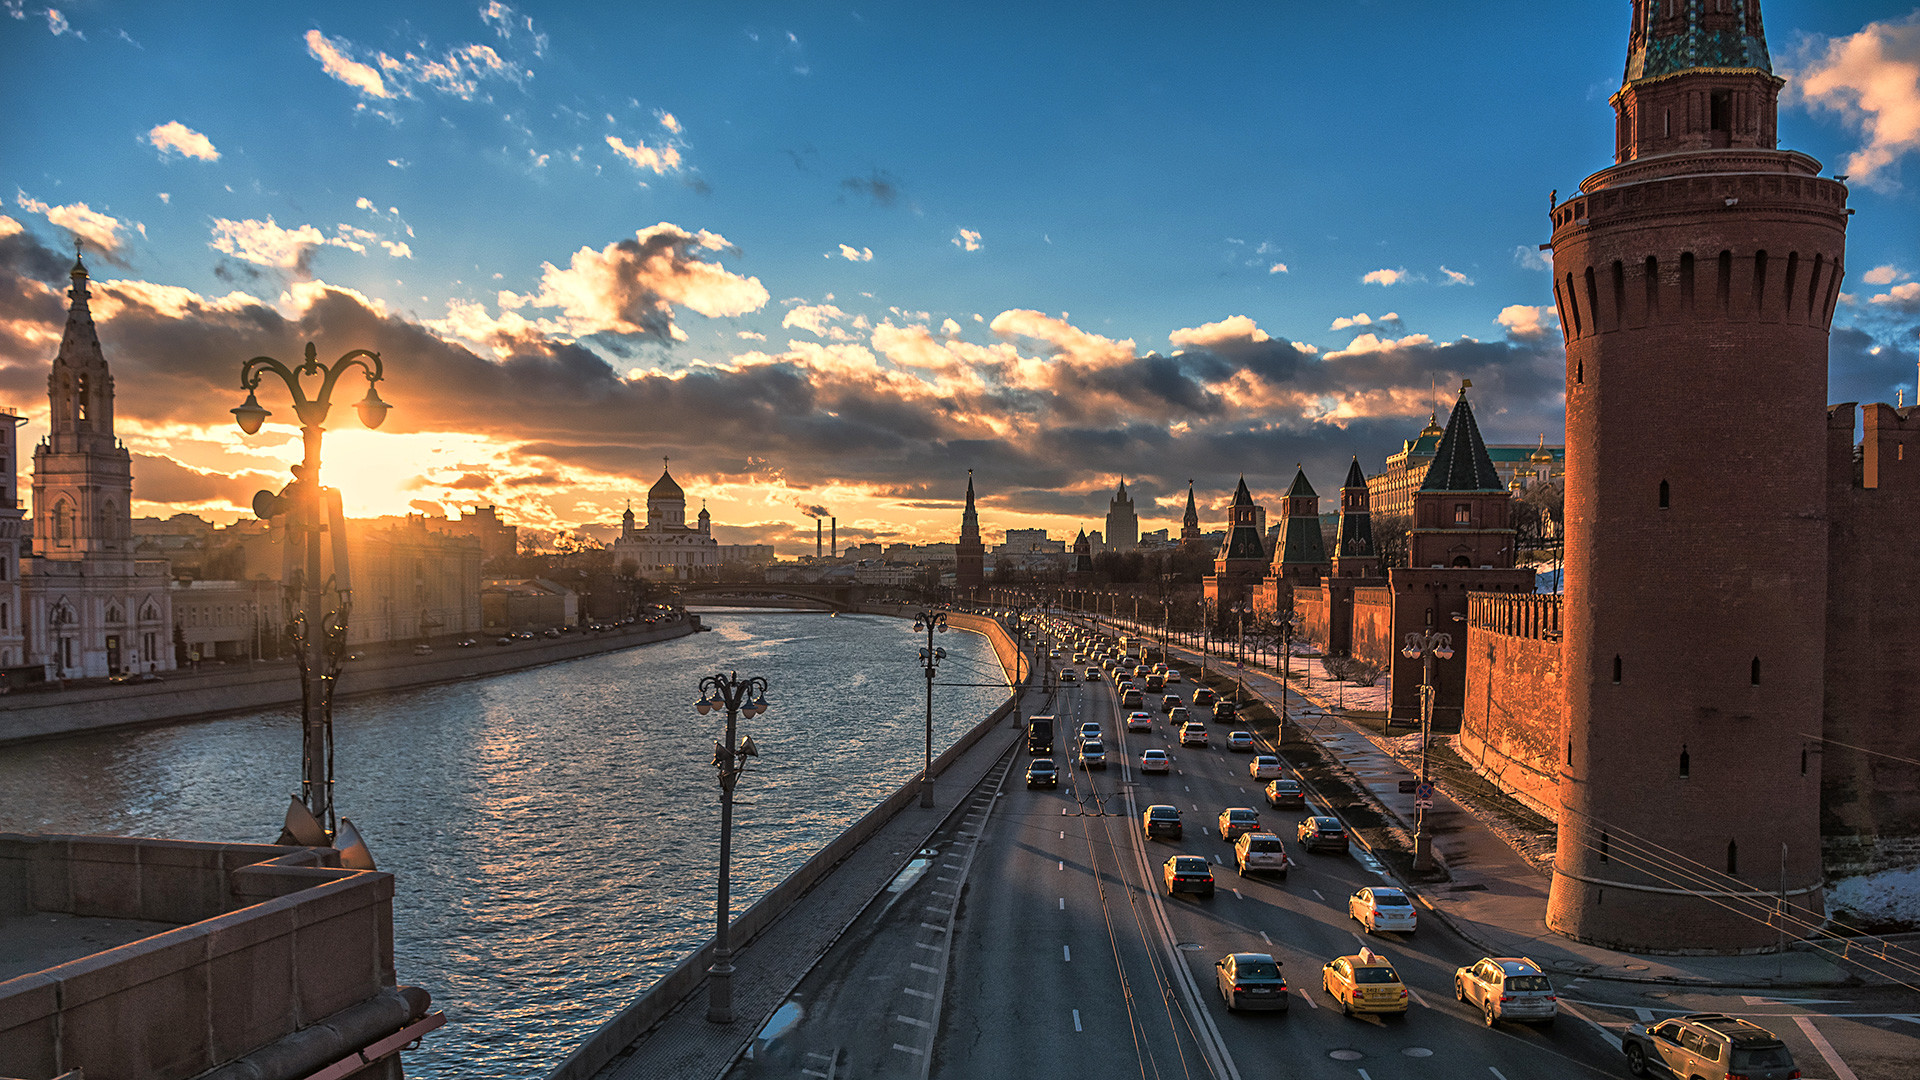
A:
<point x="1364" y="983"/>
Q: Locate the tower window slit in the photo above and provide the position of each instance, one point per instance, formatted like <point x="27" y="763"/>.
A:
<point x="1606" y="845"/>
<point x="1803" y="761"/>
<point x="1573" y="302"/>
<point x="1720" y="106"/>
<point x="1813" y="283"/>
<point x="1619" y="293"/>
<point x="1733" y="857"/>
<point x="1755" y="676"/>
<point x="1759" y="281"/>
<point x="1793" y="272"/>
<point x="1653" y="288"/>
<point x="1686" y="281"/>
<point x="1686" y="762"/>
<point x="1616" y="669"/>
<point x="1593" y="299"/>
<point x="1665" y="493"/>
<point x="1726" y="280"/>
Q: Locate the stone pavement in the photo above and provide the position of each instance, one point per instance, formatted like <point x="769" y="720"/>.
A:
<point x="1494" y="897"/>
<point x="686" y="1045"/>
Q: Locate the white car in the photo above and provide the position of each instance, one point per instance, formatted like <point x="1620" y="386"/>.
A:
<point x="1139" y="721"/>
<point x="1153" y="761"/>
<point x="1260" y="851"/>
<point x="1240" y="740"/>
<point x="1265" y="767"/>
<point x="1507" y="988"/>
<point x="1382" y="909"/>
<point x="1173" y="676"/>
<point x="1193" y="733"/>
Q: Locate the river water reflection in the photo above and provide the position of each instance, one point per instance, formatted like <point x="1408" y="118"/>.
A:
<point x="553" y="833"/>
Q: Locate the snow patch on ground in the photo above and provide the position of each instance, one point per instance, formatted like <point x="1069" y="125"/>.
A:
<point x="1890" y="896"/>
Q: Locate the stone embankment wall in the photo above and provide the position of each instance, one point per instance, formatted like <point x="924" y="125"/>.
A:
<point x="26" y="717"/>
<point x="663" y="996"/>
<point x="1512" y="729"/>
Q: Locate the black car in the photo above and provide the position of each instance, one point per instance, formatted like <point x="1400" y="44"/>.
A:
<point x="1316" y="833"/>
<point x="1161" y="821"/>
<point x="1041" y="772"/>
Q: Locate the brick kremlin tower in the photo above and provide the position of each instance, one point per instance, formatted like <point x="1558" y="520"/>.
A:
<point x="1353" y="552"/>
<point x="1300" y="558"/>
<point x="1190" y="535"/>
<point x="969" y="554"/>
<point x="1695" y="281"/>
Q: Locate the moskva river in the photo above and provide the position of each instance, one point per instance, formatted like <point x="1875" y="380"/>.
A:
<point x="554" y="833"/>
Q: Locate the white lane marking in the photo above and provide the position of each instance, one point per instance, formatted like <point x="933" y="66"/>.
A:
<point x="1418" y="998"/>
<point x="1497" y="1073"/>
<point x="1308" y="998"/>
<point x="937" y="910"/>
<point x="1196" y="806"/>
<point x="1643" y="1015"/>
<point x="948" y="880"/>
<point x="1063" y="834"/>
<point x="1316" y="892"/>
<point x="936" y="927"/>
<point x="924" y="945"/>
<point x="1363" y="1074"/>
<point x="1358" y="938"/>
<point x="1216" y="861"/>
<point x="909" y="1050"/>
<point x="1612" y="1039"/>
<point x="1265" y="938"/>
<point x="948" y="895"/>
<point x="1236" y="892"/>
<point x="915" y="1021"/>
<point x="1067" y="951"/>
<point x="911" y="992"/>
<point x="1821" y="1044"/>
<point x="816" y="1072"/>
<point x="1189" y="789"/>
<point x="925" y="968"/>
<point x="1076" y="1019"/>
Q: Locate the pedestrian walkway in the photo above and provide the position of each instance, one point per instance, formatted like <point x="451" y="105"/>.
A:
<point x="684" y="1043"/>
<point x="1493" y="896"/>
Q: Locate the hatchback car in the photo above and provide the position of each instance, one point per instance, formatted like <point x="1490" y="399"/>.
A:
<point x="1203" y="697"/>
<point x="1089" y="729"/>
<point x="1193" y="733"/>
<point x="1235" y="820"/>
<point x="1153" y="761"/>
<point x="1364" y="982"/>
<point x="1093" y="754"/>
<point x="1173" y="676"/>
<point x="1250" y="980"/>
<point x="1161" y="821"/>
<point x="1139" y="721"/>
<point x="1382" y="909"/>
<point x="1507" y="988"/>
<point x="1042" y="772"/>
<point x="1286" y="795"/>
<point x="1240" y="740"/>
<point x="1709" y="1046"/>
<point x="1261" y="851"/>
<point x="1179" y="715"/>
<point x="1315" y="833"/>
<point x="1187" y="873"/>
<point x="1264" y="766"/>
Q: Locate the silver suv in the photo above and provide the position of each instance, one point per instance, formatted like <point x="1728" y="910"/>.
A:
<point x="1507" y="988"/>
<point x="1260" y="851"/>
<point x="1706" y="1046"/>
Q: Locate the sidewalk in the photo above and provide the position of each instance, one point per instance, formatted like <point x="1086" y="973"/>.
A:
<point x="686" y="1044"/>
<point x="1493" y="896"/>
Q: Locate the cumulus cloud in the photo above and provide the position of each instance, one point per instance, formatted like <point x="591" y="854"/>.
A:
<point x="1527" y="320"/>
<point x="1530" y="257"/>
<point x="1881" y="275"/>
<point x="267" y="243"/>
<point x="641" y="156"/>
<point x="101" y="232"/>
<point x="176" y="137"/>
<point x="854" y="254"/>
<point x="750" y="335"/>
<point x="1901" y="298"/>
<point x="335" y="62"/>
<point x="1277" y="268"/>
<point x="817" y="319"/>
<point x="632" y="286"/>
<point x="1234" y="328"/>
<point x="668" y="121"/>
<point x="1455" y="277"/>
<point x="967" y="240"/>
<point x="1872" y="81"/>
<point x="1384" y="277"/>
<point x="1346" y="322"/>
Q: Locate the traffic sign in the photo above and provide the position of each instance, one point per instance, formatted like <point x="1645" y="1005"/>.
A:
<point x="1424" y="793"/>
<point x="1407" y="786"/>
<point x="1423" y="804"/>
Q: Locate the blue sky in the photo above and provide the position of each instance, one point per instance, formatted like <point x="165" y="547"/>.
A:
<point x="866" y="248"/>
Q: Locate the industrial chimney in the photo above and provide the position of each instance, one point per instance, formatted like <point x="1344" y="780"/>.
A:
<point x="816" y="538"/>
<point x="835" y="549"/>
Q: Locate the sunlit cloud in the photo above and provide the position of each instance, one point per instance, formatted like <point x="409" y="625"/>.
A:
<point x="101" y="232"/>
<point x="854" y="254"/>
<point x="335" y="62"/>
<point x="1384" y="277"/>
<point x="641" y="156"/>
<point x="176" y="137"/>
<point x="632" y="286"/>
<point x="1882" y="275"/>
<point x="1871" y="79"/>
<point x="967" y="240"/>
<point x="1527" y="320"/>
<point x="1455" y="277"/>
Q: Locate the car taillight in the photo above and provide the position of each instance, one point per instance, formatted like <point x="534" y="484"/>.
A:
<point x="1403" y="991"/>
<point x="1239" y="989"/>
<point x="1504" y="998"/>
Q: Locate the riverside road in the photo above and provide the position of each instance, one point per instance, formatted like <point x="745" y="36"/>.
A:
<point x="1033" y="938"/>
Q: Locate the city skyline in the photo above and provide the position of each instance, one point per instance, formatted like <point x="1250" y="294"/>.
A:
<point x="823" y="282"/>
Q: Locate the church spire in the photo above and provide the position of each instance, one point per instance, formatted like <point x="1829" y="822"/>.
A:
<point x="1698" y="78"/>
<point x="1190" y="524"/>
<point x="80" y="388"/>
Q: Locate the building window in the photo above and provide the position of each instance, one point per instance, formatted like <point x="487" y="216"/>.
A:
<point x="1733" y="857"/>
<point x="1759" y="281"/>
<point x="1606" y="845"/>
<point x="1725" y="286"/>
<point x="1653" y="288"/>
<point x="6" y="622"/>
<point x="1720" y="107"/>
<point x="1616" y="670"/>
<point x="1756" y="671"/>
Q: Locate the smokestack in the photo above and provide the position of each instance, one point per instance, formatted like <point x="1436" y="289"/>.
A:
<point x="835" y="550"/>
<point x="816" y="538"/>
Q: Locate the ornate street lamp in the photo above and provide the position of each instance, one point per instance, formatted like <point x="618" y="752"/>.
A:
<point x="319" y="637"/>
<point x="1425" y="647"/>
<point x="1288" y="627"/>
<point x="930" y="621"/>
<point x="740" y="697"/>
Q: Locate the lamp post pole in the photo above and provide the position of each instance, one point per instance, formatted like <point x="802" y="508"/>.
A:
<point x="929" y="621"/>
<point x="1288" y="626"/>
<point x="740" y="697"/>
<point x="1425" y="647"/>
<point x="321" y="646"/>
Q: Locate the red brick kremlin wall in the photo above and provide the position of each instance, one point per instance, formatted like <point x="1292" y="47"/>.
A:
<point x="1512" y="731"/>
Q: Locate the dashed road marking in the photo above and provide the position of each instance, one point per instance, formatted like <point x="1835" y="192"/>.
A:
<point x="911" y="992"/>
<point x="910" y="1050"/>
<point x="1316" y="892"/>
<point x="1311" y="1004"/>
<point x="934" y="927"/>
<point x="925" y="968"/>
<point x="924" y="945"/>
<point x="1265" y="938"/>
<point x="1612" y="1039"/>
<point x="1418" y="998"/>
<point x="1063" y="903"/>
<point x="914" y="1020"/>
<point x="1076" y="1019"/>
<point x="1643" y="1015"/>
<point x="1067" y="951"/>
<point x="1498" y="1075"/>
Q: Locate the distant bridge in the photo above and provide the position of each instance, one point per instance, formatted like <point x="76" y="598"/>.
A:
<point x="829" y="597"/>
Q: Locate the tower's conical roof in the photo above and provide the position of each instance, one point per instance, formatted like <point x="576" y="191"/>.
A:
<point x="1242" y="496"/>
<point x="1461" y="461"/>
<point x="1301" y="489"/>
<point x="1355" y="478"/>
<point x="1669" y="38"/>
<point x="665" y="488"/>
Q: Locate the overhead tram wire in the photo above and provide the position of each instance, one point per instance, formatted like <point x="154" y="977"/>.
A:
<point x="1860" y="749"/>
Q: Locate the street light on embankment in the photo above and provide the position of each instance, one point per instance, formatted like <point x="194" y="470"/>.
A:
<point x="740" y="697"/>
<point x="929" y="621"/>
